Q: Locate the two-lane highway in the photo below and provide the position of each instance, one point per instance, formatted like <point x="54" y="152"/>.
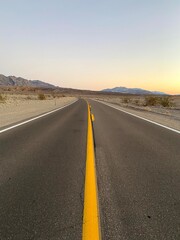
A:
<point x="42" y="177"/>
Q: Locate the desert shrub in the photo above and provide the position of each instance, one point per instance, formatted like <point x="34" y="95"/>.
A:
<point x="61" y="95"/>
<point x="29" y="98"/>
<point x="126" y="100"/>
<point x="137" y="102"/>
<point x="165" y="102"/>
<point x="2" y="99"/>
<point x="151" y="101"/>
<point x="41" y="96"/>
<point x="49" y="96"/>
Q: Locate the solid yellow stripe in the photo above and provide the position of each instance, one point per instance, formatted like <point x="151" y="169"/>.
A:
<point x="91" y="223"/>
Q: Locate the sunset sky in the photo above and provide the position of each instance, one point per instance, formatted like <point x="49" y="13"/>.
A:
<point x="92" y="44"/>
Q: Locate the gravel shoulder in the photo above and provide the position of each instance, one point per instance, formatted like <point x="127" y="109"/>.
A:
<point x="16" y="108"/>
<point x="166" y="116"/>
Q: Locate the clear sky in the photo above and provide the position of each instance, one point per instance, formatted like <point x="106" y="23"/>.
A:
<point x="92" y="44"/>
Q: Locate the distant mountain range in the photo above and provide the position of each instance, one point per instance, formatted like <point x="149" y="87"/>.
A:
<point x="18" y="81"/>
<point x="132" y="91"/>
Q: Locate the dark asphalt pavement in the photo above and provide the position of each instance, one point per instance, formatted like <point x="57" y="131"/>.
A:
<point x="138" y="171"/>
<point x="42" y="167"/>
<point x="42" y="177"/>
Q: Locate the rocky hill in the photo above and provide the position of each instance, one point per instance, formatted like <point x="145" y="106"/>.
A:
<point x="18" y="81"/>
<point x="132" y="91"/>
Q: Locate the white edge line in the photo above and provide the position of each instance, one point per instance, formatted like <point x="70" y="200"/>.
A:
<point x="145" y="119"/>
<point x="34" y="118"/>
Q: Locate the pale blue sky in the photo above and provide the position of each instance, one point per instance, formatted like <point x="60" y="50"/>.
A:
<point x="92" y="44"/>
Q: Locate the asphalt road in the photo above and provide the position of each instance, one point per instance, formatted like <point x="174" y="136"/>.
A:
<point x="42" y="168"/>
<point x="42" y="177"/>
<point x="138" y="171"/>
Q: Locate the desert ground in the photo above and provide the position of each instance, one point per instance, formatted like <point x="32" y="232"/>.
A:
<point x="18" y="105"/>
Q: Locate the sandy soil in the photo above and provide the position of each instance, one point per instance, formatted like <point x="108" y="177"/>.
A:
<point x="168" y="116"/>
<point x="15" y="108"/>
<point x="18" y="107"/>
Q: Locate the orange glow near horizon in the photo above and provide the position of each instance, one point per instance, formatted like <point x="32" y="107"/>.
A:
<point x="107" y="44"/>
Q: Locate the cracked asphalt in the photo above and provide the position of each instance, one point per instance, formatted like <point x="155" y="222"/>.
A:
<point x="42" y="167"/>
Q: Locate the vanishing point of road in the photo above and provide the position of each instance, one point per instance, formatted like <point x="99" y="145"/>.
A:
<point x="42" y="176"/>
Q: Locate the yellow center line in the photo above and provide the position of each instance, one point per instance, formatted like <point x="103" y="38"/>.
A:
<point x="91" y="218"/>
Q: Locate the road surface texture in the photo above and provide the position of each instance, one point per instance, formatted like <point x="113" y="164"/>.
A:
<point x="42" y="168"/>
<point x="138" y="171"/>
<point x="42" y="177"/>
